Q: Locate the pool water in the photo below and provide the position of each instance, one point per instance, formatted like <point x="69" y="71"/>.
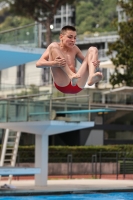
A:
<point x="92" y="196"/>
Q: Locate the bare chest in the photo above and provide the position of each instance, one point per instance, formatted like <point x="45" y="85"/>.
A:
<point x="70" y="58"/>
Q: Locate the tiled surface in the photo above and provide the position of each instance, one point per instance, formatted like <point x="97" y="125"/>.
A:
<point x="74" y="185"/>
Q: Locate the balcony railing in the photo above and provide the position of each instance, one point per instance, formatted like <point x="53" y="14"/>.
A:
<point x="39" y="107"/>
<point x="22" y="36"/>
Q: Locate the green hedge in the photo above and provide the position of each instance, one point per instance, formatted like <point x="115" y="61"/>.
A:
<point x="79" y="153"/>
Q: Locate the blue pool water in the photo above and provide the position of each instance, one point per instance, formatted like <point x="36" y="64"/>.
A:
<point x="93" y="196"/>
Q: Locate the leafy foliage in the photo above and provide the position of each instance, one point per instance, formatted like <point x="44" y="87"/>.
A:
<point x="91" y="15"/>
<point x="33" y="89"/>
<point x="79" y="153"/>
<point x="121" y="51"/>
<point x="95" y="15"/>
<point x="42" y="11"/>
<point x="9" y="21"/>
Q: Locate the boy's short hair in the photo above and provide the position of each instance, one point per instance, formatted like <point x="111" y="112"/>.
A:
<point x="68" y="27"/>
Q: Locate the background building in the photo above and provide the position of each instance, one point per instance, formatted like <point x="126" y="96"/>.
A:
<point x="110" y="128"/>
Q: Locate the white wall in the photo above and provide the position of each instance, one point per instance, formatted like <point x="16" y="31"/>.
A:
<point x="9" y="76"/>
<point x="33" y="74"/>
<point x="95" y="137"/>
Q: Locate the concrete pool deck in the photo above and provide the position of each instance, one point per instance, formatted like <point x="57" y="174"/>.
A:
<point x="67" y="186"/>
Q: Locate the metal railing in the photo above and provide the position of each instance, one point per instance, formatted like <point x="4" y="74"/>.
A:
<point x="39" y="107"/>
<point x="111" y="165"/>
<point x="22" y="36"/>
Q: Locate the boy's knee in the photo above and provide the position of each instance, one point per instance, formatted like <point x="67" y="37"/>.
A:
<point x="93" y="50"/>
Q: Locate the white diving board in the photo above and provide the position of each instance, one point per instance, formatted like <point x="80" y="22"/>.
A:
<point x="19" y="171"/>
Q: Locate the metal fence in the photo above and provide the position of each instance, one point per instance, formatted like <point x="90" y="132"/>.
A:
<point x="22" y="36"/>
<point x="111" y="165"/>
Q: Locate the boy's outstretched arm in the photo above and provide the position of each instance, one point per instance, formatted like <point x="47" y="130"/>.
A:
<point x="44" y="60"/>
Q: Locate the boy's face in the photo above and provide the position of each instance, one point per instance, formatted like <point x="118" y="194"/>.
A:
<point x="68" y="39"/>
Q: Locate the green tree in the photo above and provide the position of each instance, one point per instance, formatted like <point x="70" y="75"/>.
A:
<point x="121" y="51"/>
<point x="42" y="11"/>
<point x="91" y="16"/>
<point x="95" y="15"/>
<point x="8" y="21"/>
<point x="33" y="89"/>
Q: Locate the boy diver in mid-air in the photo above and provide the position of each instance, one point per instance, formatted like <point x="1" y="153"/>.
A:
<point x="60" y="56"/>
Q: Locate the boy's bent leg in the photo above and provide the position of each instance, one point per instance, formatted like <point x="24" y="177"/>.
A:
<point x="55" y="53"/>
<point x="94" y="77"/>
<point x="88" y="69"/>
<point x="60" y="77"/>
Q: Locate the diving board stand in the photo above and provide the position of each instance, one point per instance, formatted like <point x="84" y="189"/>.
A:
<point x="42" y="131"/>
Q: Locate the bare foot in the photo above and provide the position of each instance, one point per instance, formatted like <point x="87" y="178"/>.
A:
<point x="95" y="78"/>
<point x="74" y="79"/>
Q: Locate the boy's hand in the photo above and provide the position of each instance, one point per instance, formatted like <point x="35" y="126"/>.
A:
<point x="96" y="63"/>
<point x="60" y="62"/>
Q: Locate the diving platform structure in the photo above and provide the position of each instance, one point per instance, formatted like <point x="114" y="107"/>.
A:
<point x="42" y="130"/>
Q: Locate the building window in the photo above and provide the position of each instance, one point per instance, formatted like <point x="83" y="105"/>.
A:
<point x="46" y="76"/>
<point x="97" y="98"/>
<point x="21" y="75"/>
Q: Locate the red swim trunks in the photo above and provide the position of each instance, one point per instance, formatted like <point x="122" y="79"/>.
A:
<point x="69" y="89"/>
